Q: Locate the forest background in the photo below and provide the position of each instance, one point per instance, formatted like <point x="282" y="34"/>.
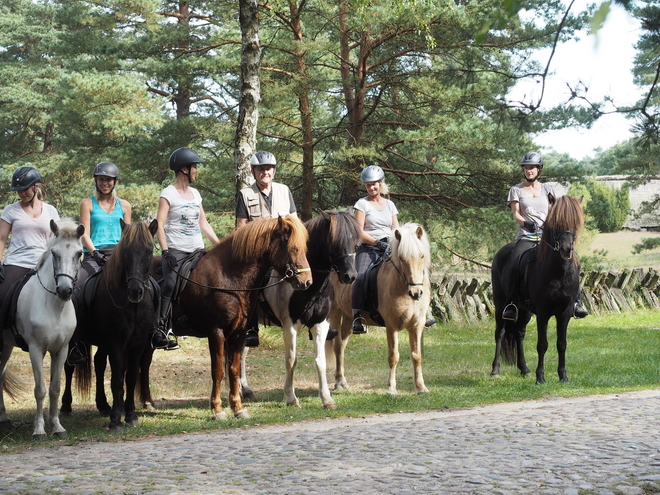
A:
<point x="418" y="87"/>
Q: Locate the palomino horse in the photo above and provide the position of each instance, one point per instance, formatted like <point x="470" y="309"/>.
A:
<point x="118" y="318"/>
<point x="46" y="319"/>
<point x="550" y="280"/>
<point x="331" y="247"/>
<point x="404" y="295"/>
<point x="221" y="295"/>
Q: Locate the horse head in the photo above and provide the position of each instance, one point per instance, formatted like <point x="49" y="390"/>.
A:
<point x="65" y="251"/>
<point x="333" y="236"/>
<point x="132" y="259"/>
<point x="411" y="257"/>
<point x="561" y="228"/>
<point x="288" y="252"/>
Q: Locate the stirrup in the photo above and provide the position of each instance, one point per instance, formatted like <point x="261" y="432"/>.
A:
<point x="77" y="355"/>
<point x="510" y="312"/>
<point x="358" y="326"/>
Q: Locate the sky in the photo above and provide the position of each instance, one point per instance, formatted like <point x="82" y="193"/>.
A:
<point x="603" y="62"/>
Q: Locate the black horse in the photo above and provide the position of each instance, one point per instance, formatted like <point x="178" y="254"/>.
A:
<point x="549" y="286"/>
<point x="118" y="318"/>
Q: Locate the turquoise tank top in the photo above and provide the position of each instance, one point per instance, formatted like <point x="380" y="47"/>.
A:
<point x="105" y="227"/>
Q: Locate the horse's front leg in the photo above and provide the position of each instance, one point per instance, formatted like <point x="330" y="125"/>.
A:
<point x="562" y="331"/>
<point x="57" y="360"/>
<point x="392" y="358"/>
<point x="145" y="387"/>
<point x="289" y="334"/>
<point x="343" y="324"/>
<point x="320" y="332"/>
<point x="132" y="369"/>
<point x="246" y="391"/>
<point x="4" y="361"/>
<point x="117" y="371"/>
<point x="415" y="337"/>
<point x="217" y="351"/>
<point x="37" y="360"/>
<point x="234" y="348"/>
<point x="541" y="347"/>
<point x="100" y="363"/>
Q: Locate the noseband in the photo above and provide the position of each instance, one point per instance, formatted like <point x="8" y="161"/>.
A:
<point x="403" y="275"/>
<point x="558" y="237"/>
<point x="55" y="275"/>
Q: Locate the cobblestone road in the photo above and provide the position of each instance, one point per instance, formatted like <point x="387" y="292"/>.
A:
<point x="598" y="445"/>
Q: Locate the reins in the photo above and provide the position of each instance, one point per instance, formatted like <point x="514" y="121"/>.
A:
<point x="55" y="275"/>
<point x="556" y="247"/>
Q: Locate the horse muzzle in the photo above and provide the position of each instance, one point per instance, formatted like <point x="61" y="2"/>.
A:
<point x="64" y="292"/>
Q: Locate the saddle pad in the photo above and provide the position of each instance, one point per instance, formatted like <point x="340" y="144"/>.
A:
<point x="8" y="308"/>
<point x="371" y="290"/>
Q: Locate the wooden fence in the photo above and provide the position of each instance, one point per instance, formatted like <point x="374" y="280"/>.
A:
<point x="462" y="299"/>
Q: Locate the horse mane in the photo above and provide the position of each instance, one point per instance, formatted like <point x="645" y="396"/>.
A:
<point x="343" y="226"/>
<point x="411" y="246"/>
<point x="133" y="234"/>
<point x="565" y="215"/>
<point x="253" y="239"/>
<point x="67" y="230"/>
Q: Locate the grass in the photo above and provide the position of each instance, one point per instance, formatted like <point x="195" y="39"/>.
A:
<point x="619" y="247"/>
<point x="606" y="354"/>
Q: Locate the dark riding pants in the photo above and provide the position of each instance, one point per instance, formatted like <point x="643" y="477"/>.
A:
<point x="365" y="255"/>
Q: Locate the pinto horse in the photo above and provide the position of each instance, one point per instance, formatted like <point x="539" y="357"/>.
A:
<point x="46" y="320"/>
<point x="331" y="247"/>
<point x="118" y="319"/>
<point x="404" y="295"/>
<point x="549" y="286"/>
<point x="221" y="295"/>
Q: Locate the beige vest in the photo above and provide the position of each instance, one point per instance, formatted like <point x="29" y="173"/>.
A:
<point x="256" y="206"/>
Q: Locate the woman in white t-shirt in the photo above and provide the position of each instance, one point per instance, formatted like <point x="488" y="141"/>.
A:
<point x="26" y="224"/>
<point x="181" y="223"/>
<point x="377" y="218"/>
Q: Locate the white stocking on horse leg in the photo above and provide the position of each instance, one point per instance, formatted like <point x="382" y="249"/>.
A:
<point x="290" y="360"/>
<point x="393" y="359"/>
<point x="320" y="332"/>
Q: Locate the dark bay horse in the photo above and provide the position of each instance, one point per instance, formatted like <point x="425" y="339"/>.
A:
<point x="331" y="248"/>
<point x="549" y="287"/>
<point x="220" y="295"/>
<point x="118" y="319"/>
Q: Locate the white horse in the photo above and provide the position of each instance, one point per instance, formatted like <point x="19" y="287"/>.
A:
<point x="404" y="295"/>
<point x="46" y="320"/>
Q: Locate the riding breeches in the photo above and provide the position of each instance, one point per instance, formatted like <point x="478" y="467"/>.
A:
<point x="365" y="255"/>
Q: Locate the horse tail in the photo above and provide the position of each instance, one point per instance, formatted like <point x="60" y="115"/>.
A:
<point x="13" y="385"/>
<point x="84" y="378"/>
<point x="509" y="348"/>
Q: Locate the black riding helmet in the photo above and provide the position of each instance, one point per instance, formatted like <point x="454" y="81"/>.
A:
<point x="535" y="159"/>
<point x="184" y="157"/>
<point x="24" y="177"/>
<point x="106" y="169"/>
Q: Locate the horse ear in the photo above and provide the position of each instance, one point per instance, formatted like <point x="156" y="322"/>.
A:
<point x="153" y="226"/>
<point x="580" y="199"/>
<point x="397" y="234"/>
<point x="53" y="227"/>
<point x="419" y="232"/>
<point x="80" y="231"/>
<point x="551" y="199"/>
<point x="122" y="224"/>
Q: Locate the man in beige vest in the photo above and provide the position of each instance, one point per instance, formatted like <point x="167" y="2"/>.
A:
<point x="263" y="199"/>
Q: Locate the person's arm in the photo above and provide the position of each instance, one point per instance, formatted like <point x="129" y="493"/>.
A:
<point x="5" y="229"/>
<point x="128" y="210"/>
<point x="206" y="228"/>
<point x="517" y="216"/>
<point x="240" y="222"/>
<point x="85" y="220"/>
<point x="364" y="237"/>
<point x="161" y="218"/>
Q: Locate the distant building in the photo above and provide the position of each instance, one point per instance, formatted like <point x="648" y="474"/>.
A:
<point x="644" y="193"/>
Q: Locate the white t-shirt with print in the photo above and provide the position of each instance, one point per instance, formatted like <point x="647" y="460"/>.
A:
<point x="29" y="236"/>
<point x="377" y="223"/>
<point x="182" y="230"/>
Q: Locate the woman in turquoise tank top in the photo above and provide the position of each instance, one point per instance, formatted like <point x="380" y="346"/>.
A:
<point x="100" y="214"/>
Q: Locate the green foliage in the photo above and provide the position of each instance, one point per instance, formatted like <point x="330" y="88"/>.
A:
<point x="594" y="262"/>
<point x="647" y="244"/>
<point x="606" y="208"/>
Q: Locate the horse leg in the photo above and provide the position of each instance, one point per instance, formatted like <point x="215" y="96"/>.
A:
<point x="132" y="370"/>
<point x="521" y="330"/>
<point x="339" y="347"/>
<point x="36" y="358"/>
<point x="234" y="348"/>
<point x="217" y="350"/>
<point x="541" y="347"/>
<point x="100" y="363"/>
<point x="67" y="396"/>
<point x="117" y="370"/>
<point x="246" y="391"/>
<point x="145" y="389"/>
<point x="562" y="330"/>
<point x="499" y="336"/>
<point x="57" y="360"/>
<point x="392" y="358"/>
<point x="290" y="360"/>
<point x="415" y="337"/>
<point x="320" y="332"/>
<point x="5" y="422"/>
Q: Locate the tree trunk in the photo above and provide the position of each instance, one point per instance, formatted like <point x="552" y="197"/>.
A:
<point x="248" y="108"/>
<point x="181" y="98"/>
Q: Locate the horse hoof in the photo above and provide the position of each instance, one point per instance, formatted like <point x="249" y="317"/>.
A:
<point x="248" y="394"/>
<point x="39" y="437"/>
<point x="423" y="390"/>
<point x="495" y="375"/>
<point x="295" y="403"/>
<point x="66" y="414"/>
<point x="116" y="428"/>
<point x="221" y="416"/>
<point x="105" y="412"/>
<point x="6" y="425"/>
<point x="133" y="422"/>
<point x="149" y="406"/>
<point x="330" y="405"/>
<point x="242" y="414"/>
<point x="392" y="393"/>
<point x="61" y="435"/>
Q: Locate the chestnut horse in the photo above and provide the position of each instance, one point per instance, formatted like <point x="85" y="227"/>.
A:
<point x="550" y="280"/>
<point x="220" y="295"/>
<point x="404" y="295"/>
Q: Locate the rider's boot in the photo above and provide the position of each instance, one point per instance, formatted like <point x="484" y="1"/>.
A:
<point x="579" y="310"/>
<point x="252" y="337"/>
<point x="358" y="327"/>
<point x="160" y="333"/>
<point x="510" y="312"/>
<point x="429" y="322"/>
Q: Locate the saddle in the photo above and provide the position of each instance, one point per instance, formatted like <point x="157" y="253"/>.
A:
<point x="8" y="309"/>
<point x="370" y="302"/>
<point x="521" y="266"/>
<point x="268" y="316"/>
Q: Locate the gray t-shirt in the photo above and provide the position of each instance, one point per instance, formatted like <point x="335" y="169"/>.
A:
<point x="533" y="209"/>
<point x="377" y="223"/>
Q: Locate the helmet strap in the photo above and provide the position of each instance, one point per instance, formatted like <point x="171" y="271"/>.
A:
<point x="187" y="174"/>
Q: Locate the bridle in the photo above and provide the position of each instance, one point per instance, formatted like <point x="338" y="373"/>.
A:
<point x="556" y="247"/>
<point x="56" y="275"/>
<point x="403" y="275"/>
